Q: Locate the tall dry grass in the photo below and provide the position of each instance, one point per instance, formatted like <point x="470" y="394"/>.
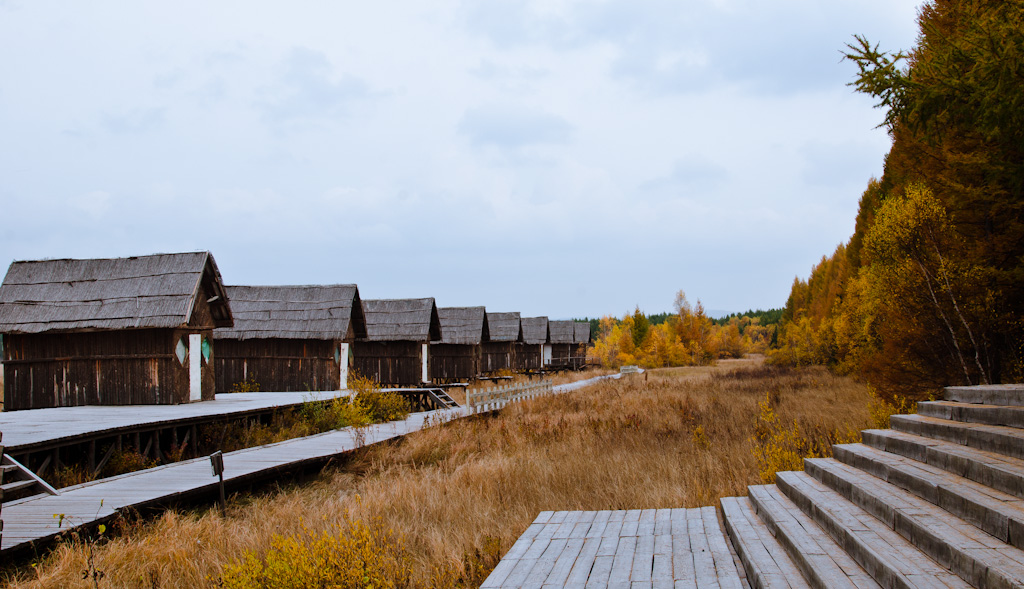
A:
<point x="462" y="493"/>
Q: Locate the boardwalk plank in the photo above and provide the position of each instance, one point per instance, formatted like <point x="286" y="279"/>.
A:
<point x="563" y="566"/>
<point x="581" y="569"/>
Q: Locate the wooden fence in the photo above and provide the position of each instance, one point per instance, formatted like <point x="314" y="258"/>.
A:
<point x="494" y="398"/>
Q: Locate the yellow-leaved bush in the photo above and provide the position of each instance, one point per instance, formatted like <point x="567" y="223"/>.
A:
<point x="348" y="554"/>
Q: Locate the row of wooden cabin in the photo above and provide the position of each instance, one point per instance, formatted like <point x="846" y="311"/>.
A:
<point x="143" y="330"/>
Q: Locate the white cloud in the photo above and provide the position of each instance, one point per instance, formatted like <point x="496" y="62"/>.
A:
<point x="449" y="149"/>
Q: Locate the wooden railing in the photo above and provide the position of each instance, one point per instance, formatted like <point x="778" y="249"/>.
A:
<point x="494" y="398"/>
<point x="1" y="483"/>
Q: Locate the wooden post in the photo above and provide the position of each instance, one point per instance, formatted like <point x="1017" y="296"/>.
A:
<point x="217" y="464"/>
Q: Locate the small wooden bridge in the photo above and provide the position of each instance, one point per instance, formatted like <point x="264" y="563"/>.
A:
<point x="935" y="501"/>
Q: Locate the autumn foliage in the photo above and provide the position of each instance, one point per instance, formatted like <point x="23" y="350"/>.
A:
<point x="929" y="290"/>
<point x="687" y="337"/>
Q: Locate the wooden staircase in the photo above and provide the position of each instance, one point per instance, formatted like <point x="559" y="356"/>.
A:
<point x="441" y="399"/>
<point x="18" y="482"/>
<point x="936" y="501"/>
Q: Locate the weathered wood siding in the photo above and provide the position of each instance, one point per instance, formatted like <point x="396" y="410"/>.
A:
<point x="279" y="365"/>
<point x="528" y="356"/>
<point x="498" y="356"/>
<point x="389" y="363"/>
<point x="562" y="354"/>
<point x="129" y="367"/>
<point x="106" y="367"/>
<point x="454" y="362"/>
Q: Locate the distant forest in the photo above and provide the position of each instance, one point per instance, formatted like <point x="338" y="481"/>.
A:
<point x="929" y="290"/>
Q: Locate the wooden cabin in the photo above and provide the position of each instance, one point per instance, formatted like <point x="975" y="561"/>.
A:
<point x="581" y="333"/>
<point x="499" y="354"/>
<point x="396" y="350"/>
<point x="563" y="343"/>
<point x="457" y="355"/>
<point x="121" y="331"/>
<point x="530" y="353"/>
<point x="289" y="338"/>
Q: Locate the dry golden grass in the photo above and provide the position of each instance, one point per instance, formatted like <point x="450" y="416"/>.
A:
<point x="461" y="494"/>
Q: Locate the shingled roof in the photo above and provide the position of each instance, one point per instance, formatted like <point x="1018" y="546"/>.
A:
<point x="326" y="312"/>
<point x="535" y="330"/>
<point x="581" y="332"/>
<point x="562" y="332"/>
<point x="463" y="325"/>
<point x="157" y="291"/>
<point x="505" y="327"/>
<point x="401" y="320"/>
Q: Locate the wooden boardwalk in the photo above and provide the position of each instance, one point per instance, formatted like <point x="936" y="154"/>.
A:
<point x="649" y="548"/>
<point x="33" y="519"/>
<point x="38" y="519"/>
<point x="31" y="428"/>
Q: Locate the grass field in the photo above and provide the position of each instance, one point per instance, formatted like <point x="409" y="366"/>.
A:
<point x="445" y="503"/>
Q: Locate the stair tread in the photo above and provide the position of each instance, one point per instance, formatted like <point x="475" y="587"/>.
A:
<point x="765" y="560"/>
<point x="994" y="438"/>
<point x="17" y="485"/>
<point x="995" y="470"/>
<point x="1000" y="514"/>
<point x="944" y="536"/>
<point x="816" y="553"/>
<point x="1000" y="394"/>
<point x="1008" y="415"/>
<point x="890" y="558"/>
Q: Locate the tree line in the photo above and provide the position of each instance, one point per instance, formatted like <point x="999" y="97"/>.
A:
<point x="684" y="337"/>
<point x="928" y="291"/>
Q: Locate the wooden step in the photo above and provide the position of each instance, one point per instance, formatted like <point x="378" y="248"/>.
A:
<point x="998" y="513"/>
<point x="999" y="394"/>
<point x="14" y="487"/>
<point x="891" y="560"/>
<point x="821" y="561"/>
<point x="977" y="557"/>
<point x="1008" y="415"/>
<point x="764" y="559"/>
<point x="1008" y="441"/>
<point x="1000" y="472"/>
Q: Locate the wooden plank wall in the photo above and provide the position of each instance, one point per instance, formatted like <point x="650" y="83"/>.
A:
<point x="528" y="356"/>
<point x="454" y="362"/>
<point x="389" y="363"/>
<point x="561" y="353"/>
<point x="129" y="367"/>
<point x="276" y="364"/>
<point x="498" y="356"/>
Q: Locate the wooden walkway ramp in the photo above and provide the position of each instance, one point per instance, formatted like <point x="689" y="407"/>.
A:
<point x="38" y="519"/>
<point x="33" y="519"/>
<point x="935" y="501"/>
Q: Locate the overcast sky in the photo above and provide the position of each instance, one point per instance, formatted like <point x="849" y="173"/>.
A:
<point x="554" y="157"/>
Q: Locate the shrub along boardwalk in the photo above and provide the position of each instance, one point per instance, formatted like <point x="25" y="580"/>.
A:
<point x="38" y="519"/>
<point x="936" y="501"/>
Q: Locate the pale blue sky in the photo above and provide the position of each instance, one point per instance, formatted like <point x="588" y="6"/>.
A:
<point x="554" y="157"/>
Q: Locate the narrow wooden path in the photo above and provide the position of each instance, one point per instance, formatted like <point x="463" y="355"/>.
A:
<point x="649" y="548"/>
<point x="41" y="518"/>
<point x="31" y="428"/>
<point x="38" y="519"/>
